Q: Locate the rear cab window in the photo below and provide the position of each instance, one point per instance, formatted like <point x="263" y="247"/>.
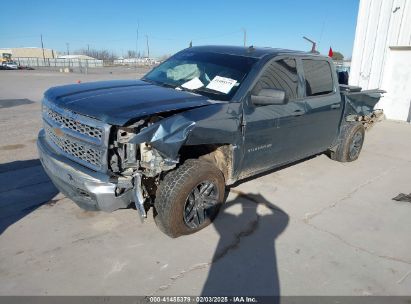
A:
<point x="318" y="77"/>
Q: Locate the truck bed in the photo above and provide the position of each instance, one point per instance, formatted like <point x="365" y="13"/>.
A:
<point x="358" y="101"/>
<point x="360" y="105"/>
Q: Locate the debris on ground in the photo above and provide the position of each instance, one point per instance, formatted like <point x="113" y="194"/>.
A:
<point x="403" y="198"/>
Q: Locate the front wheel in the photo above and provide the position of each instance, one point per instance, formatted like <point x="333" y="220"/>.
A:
<point x="189" y="198"/>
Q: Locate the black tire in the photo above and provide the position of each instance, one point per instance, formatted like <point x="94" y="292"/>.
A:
<point x="178" y="191"/>
<point x="350" y="143"/>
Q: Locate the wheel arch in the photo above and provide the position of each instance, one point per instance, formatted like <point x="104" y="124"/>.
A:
<point x="220" y="155"/>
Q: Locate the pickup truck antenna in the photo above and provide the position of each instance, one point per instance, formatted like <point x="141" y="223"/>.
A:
<point x="314" y="45"/>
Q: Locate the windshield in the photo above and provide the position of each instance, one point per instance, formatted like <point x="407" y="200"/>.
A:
<point x="217" y="76"/>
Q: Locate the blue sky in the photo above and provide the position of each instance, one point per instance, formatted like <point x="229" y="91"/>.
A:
<point x="170" y="25"/>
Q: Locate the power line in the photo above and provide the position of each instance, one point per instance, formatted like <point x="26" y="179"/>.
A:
<point x="218" y="36"/>
<point x="197" y="38"/>
<point x="176" y="38"/>
<point x="19" y="37"/>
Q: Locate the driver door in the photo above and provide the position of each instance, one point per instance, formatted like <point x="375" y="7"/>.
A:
<point x="274" y="134"/>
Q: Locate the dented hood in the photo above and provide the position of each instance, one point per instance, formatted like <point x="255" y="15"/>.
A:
<point x="122" y="101"/>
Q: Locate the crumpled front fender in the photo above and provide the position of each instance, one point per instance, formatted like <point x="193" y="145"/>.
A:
<point x="166" y="136"/>
<point x="214" y="124"/>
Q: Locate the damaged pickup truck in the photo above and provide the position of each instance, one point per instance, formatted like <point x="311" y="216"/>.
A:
<point x="204" y="119"/>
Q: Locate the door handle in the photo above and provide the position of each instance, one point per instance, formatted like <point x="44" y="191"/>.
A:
<point x="335" y="106"/>
<point x="298" y="113"/>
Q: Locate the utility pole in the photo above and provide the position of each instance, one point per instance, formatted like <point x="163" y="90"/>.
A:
<point x="42" y="47"/>
<point x="148" y="47"/>
<point x="68" y="53"/>
<point x="245" y="36"/>
<point x="138" y="26"/>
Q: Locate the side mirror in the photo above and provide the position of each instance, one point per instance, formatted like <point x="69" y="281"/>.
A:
<point x="269" y="97"/>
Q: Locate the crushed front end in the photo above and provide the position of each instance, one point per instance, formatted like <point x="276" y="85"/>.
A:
<point x="92" y="162"/>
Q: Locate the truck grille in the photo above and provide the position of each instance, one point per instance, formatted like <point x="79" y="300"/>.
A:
<point x="75" y="125"/>
<point x="76" y="149"/>
<point x="77" y="137"/>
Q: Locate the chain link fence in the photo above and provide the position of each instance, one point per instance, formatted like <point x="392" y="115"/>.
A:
<point x="58" y="62"/>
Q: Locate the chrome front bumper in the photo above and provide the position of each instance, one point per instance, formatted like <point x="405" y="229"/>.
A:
<point x="89" y="189"/>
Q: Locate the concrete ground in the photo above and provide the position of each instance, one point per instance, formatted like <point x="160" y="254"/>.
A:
<point x="316" y="228"/>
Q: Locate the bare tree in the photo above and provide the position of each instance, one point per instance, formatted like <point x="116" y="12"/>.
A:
<point x="98" y="54"/>
<point x="164" y="57"/>
<point x="131" y="54"/>
<point x="337" y="56"/>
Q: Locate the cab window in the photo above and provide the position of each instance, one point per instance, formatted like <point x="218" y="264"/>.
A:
<point x="318" y="77"/>
<point x="282" y="75"/>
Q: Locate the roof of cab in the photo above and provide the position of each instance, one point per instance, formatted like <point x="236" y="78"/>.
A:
<point x="251" y="51"/>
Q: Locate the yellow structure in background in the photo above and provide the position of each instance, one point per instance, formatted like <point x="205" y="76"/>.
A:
<point x="32" y="52"/>
<point x="4" y="56"/>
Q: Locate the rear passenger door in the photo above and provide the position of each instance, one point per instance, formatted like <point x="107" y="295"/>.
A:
<point x="323" y="103"/>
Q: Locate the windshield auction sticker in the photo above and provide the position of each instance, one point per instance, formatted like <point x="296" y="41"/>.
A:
<point x="193" y="84"/>
<point x="221" y="84"/>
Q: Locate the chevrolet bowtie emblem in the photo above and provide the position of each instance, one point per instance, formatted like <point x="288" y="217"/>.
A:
<point x="58" y="132"/>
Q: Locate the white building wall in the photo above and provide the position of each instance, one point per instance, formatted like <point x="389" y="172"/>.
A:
<point x="382" y="25"/>
<point x="397" y="83"/>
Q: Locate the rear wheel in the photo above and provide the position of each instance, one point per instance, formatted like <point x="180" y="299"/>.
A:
<point x="189" y="198"/>
<point x="350" y="143"/>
